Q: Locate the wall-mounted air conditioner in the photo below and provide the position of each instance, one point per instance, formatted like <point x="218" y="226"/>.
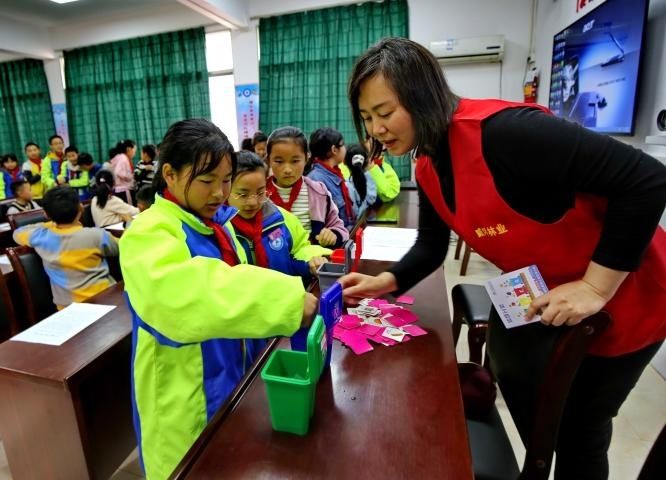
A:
<point x="484" y="49"/>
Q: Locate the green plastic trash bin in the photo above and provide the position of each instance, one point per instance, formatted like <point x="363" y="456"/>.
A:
<point x="291" y="380"/>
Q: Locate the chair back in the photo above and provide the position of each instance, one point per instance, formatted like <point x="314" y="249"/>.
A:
<point x="86" y="217"/>
<point x="535" y="367"/>
<point x="34" y="283"/>
<point x="8" y="322"/>
<point x="22" y="219"/>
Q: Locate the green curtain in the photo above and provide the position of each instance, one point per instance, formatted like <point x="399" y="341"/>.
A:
<point x="306" y="59"/>
<point x="25" y="106"/>
<point x="134" y="89"/>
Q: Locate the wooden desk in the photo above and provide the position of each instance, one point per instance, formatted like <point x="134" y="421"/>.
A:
<point x="392" y="413"/>
<point x="65" y="412"/>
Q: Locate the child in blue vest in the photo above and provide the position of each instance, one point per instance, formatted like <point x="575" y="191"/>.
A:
<point x="271" y="236"/>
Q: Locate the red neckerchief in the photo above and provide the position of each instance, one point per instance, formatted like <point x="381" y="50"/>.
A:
<point x="37" y="162"/>
<point x="274" y="194"/>
<point x="229" y="255"/>
<point x="14" y="173"/>
<point x="343" y="186"/>
<point x="379" y="161"/>
<point x="252" y="229"/>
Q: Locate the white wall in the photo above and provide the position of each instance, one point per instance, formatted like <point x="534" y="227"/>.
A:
<point x="244" y="46"/>
<point x="24" y="40"/>
<point x="432" y="20"/>
<point x="123" y="26"/>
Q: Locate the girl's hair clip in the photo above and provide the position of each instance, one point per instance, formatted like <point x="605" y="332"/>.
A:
<point x="358" y="159"/>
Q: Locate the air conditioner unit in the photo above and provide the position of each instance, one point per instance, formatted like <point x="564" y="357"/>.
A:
<point x="485" y="49"/>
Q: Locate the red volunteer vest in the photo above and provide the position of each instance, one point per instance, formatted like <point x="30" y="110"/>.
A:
<point x="562" y="250"/>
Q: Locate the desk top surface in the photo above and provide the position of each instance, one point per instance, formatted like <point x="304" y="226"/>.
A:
<point x="60" y="363"/>
<point x="391" y="413"/>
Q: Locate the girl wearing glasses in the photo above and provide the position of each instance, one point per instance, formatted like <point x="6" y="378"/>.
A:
<point x="271" y="237"/>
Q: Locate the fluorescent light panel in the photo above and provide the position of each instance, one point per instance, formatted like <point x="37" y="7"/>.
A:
<point x="64" y="1"/>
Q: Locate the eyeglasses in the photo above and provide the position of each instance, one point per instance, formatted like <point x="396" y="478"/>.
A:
<point x="246" y="197"/>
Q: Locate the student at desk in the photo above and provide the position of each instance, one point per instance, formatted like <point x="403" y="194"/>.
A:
<point x="586" y="213"/>
<point x="193" y="298"/>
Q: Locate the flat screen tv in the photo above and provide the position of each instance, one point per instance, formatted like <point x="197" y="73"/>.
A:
<point x="596" y="63"/>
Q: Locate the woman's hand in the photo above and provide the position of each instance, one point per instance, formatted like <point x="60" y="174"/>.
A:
<point x="571" y="302"/>
<point x="326" y="237"/>
<point x="358" y="286"/>
<point x="567" y="304"/>
<point x="315" y="263"/>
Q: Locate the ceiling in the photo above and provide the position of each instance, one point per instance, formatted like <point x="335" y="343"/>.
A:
<point x="48" y="14"/>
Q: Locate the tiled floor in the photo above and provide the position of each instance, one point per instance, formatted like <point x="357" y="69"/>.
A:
<point x="635" y="428"/>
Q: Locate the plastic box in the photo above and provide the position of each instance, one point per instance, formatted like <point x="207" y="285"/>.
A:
<point x="291" y="379"/>
<point x="328" y="274"/>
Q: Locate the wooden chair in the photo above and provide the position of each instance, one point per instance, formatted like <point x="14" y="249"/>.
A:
<point x="34" y="282"/>
<point x="9" y="325"/>
<point x="466" y="254"/>
<point x="471" y="306"/>
<point x="22" y="219"/>
<point x="535" y="367"/>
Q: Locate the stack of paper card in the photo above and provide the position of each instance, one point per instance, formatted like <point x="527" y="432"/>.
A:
<point x="377" y="321"/>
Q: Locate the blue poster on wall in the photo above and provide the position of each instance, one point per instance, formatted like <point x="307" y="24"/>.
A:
<point x="60" y="120"/>
<point x="247" y="110"/>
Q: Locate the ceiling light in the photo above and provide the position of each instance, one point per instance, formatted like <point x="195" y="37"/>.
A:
<point x="64" y="1"/>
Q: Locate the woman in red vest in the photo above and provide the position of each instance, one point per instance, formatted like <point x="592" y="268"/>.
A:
<point x="522" y="187"/>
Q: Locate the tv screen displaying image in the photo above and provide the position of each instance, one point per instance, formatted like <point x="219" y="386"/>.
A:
<point x="596" y="61"/>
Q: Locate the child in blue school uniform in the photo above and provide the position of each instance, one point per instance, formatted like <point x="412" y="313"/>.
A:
<point x="327" y="147"/>
<point x="271" y="237"/>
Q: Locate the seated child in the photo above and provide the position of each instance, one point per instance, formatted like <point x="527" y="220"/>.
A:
<point x="73" y="256"/>
<point x="387" y="181"/>
<point x="144" y="172"/>
<point x="39" y="180"/>
<point x="271" y="236"/>
<point x="309" y="200"/>
<point x="23" y="202"/>
<point x="86" y="163"/>
<point x="73" y="175"/>
<point x="328" y="151"/>
<point x="106" y="208"/>
<point x="10" y="173"/>
<point x="145" y="197"/>
<point x="361" y="186"/>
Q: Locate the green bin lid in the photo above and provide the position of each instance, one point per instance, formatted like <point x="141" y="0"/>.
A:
<point x="317" y="347"/>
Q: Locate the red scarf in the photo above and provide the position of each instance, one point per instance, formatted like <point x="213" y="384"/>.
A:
<point x="379" y="160"/>
<point x="252" y="229"/>
<point x="229" y="255"/>
<point x="37" y="162"/>
<point x="343" y="186"/>
<point x="14" y="173"/>
<point x="274" y="194"/>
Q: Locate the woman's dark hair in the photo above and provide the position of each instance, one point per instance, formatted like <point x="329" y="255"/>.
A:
<point x="103" y="187"/>
<point x="196" y="142"/>
<point x="85" y="159"/>
<point x="418" y="80"/>
<point x="249" y="162"/>
<point x="246" y="144"/>
<point x="8" y="157"/>
<point x="258" y="137"/>
<point x="357" y="166"/>
<point x="121" y="147"/>
<point x="322" y="140"/>
<point x="287" y="134"/>
<point x="150" y="150"/>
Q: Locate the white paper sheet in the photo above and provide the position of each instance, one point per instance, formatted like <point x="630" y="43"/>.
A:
<point x="63" y="325"/>
<point x="116" y="226"/>
<point x="5" y="265"/>
<point x="387" y="243"/>
<point x="5" y="227"/>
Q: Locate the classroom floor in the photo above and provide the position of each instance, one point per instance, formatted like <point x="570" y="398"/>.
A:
<point x="635" y="428"/>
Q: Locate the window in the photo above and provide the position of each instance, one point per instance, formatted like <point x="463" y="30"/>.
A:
<point x="221" y="84"/>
